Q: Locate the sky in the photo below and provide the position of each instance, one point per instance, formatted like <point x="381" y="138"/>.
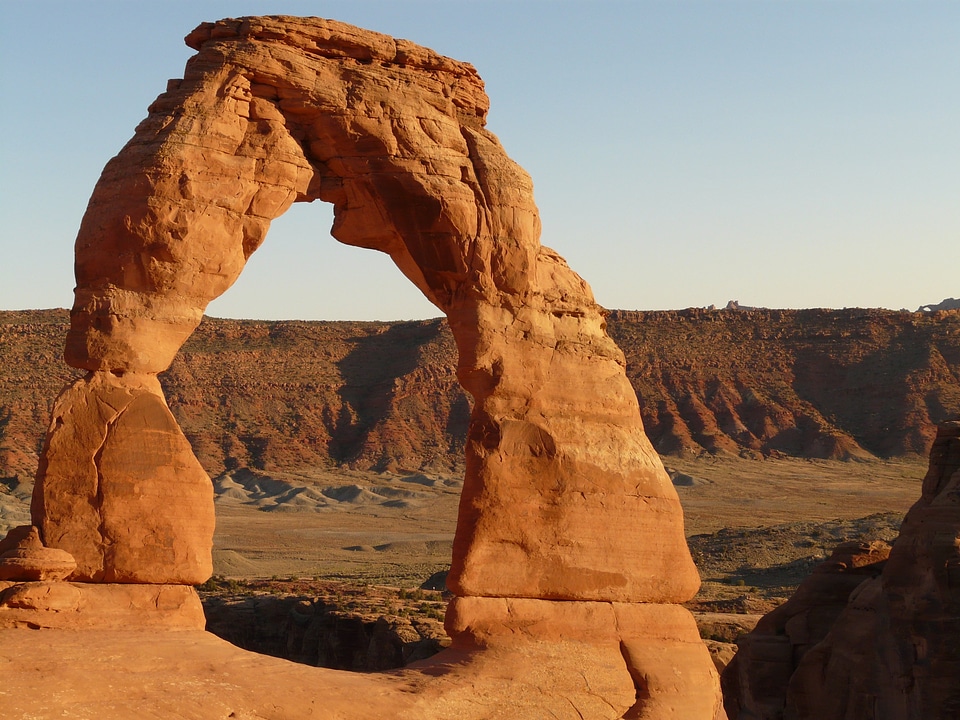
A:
<point x="781" y="154"/>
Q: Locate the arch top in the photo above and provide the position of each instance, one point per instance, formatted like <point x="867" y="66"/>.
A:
<point x="334" y="40"/>
<point x="273" y="110"/>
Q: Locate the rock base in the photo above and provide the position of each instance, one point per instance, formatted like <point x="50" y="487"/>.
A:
<point x="510" y="658"/>
<point x="76" y="606"/>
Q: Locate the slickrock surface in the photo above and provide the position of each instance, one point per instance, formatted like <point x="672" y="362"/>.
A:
<point x="116" y="675"/>
<point x="510" y="659"/>
<point x="564" y="498"/>
<point x="893" y="651"/>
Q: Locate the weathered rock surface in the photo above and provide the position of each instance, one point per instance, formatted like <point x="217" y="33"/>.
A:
<point x="98" y="606"/>
<point x="639" y="660"/>
<point x="116" y="675"/>
<point x="24" y="558"/>
<point x="563" y="497"/>
<point x="893" y="650"/>
<point x="768" y="656"/>
<point x="119" y="487"/>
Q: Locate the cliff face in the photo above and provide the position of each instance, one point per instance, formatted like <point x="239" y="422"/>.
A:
<point x="874" y="632"/>
<point x="32" y="373"/>
<point x="282" y="395"/>
<point x="809" y="383"/>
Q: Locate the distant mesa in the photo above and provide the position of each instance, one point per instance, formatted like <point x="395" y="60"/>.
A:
<point x="735" y="305"/>
<point x="834" y="384"/>
<point x="947" y="304"/>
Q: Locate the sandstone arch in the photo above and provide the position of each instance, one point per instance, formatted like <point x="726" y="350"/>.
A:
<point x="564" y="498"/>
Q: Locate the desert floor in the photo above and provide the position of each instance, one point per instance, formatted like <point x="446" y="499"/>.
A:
<point x="758" y="525"/>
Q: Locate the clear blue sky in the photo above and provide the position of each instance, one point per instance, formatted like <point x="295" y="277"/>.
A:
<point x="784" y="154"/>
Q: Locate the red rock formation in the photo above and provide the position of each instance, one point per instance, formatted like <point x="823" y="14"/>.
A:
<point x="119" y="487"/>
<point x="755" y="683"/>
<point x="564" y="497"/>
<point x="838" y="384"/>
<point x="27" y="559"/>
<point x="98" y="606"/>
<point x="893" y="651"/>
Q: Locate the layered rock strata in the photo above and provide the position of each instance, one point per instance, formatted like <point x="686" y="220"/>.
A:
<point x="74" y="606"/>
<point x="290" y="395"/>
<point x="893" y="650"/>
<point x="564" y="498"/>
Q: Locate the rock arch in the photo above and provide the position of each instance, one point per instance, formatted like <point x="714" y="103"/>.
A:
<point x="564" y="498"/>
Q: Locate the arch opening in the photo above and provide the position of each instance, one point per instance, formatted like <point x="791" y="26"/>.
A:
<point x="302" y="273"/>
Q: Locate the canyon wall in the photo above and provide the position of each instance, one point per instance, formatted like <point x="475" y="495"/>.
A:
<point x="282" y="395"/>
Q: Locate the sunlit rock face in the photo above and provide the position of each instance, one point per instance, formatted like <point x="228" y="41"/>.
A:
<point x="564" y="498"/>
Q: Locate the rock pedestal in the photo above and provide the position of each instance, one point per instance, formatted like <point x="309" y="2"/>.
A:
<point x="119" y="487"/>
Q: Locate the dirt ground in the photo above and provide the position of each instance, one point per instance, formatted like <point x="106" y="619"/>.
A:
<point x="754" y="526"/>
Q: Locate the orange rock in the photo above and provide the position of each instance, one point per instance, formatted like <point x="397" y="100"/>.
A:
<point x="119" y="488"/>
<point x="644" y="660"/>
<point x="564" y="497"/>
<point x="28" y="559"/>
<point x="101" y="606"/>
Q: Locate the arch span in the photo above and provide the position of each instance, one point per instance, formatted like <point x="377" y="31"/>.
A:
<point x="564" y="497"/>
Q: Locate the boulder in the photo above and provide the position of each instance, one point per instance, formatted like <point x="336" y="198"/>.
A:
<point x="27" y="559"/>
<point x="892" y="649"/>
